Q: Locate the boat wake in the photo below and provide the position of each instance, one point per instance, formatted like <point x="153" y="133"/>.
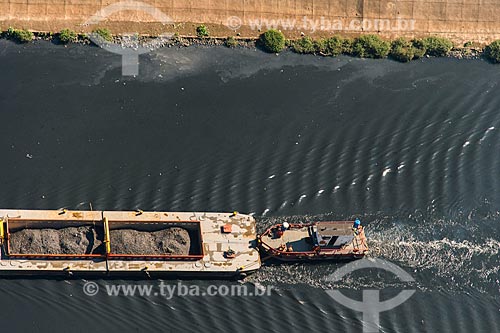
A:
<point x="440" y="254"/>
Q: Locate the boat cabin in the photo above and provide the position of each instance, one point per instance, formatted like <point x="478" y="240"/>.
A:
<point x="331" y="235"/>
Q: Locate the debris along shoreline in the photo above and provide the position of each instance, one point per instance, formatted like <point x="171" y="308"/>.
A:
<point x="363" y="46"/>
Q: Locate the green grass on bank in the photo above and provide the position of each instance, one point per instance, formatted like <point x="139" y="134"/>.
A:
<point x="202" y="31"/>
<point x="492" y="52"/>
<point x="68" y="36"/>
<point x="19" y="35"/>
<point x="104" y="34"/>
<point x="274" y="41"/>
<point x="371" y="46"/>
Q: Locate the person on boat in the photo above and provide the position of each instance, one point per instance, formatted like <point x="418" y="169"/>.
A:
<point x="281" y="230"/>
<point x="356" y="226"/>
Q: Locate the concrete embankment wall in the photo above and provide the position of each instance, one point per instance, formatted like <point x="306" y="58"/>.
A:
<point x="460" y="20"/>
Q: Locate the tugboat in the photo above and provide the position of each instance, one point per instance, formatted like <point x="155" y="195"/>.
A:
<point x="334" y="240"/>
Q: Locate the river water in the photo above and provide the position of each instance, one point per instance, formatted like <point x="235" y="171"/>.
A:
<point x="410" y="149"/>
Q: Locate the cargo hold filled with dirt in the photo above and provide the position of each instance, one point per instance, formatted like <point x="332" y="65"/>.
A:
<point x="88" y="238"/>
<point x="69" y="240"/>
<point x="172" y="240"/>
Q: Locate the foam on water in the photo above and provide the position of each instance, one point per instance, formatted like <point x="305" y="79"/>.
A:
<point x="440" y="254"/>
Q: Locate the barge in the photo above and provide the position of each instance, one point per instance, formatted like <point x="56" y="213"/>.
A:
<point x="335" y="240"/>
<point x="179" y="244"/>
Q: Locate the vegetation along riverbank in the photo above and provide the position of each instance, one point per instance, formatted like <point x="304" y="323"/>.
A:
<point x="274" y="41"/>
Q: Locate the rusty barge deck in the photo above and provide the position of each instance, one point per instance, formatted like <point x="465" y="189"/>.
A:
<point x="222" y="244"/>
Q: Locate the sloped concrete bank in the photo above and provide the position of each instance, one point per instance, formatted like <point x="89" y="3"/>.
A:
<point x="461" y="21"/>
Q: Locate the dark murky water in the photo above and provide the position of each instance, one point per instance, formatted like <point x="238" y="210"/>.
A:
<point x="411" y="149"/>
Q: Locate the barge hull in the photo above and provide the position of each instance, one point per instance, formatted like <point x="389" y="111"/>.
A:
<point x="218" y="233"/>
